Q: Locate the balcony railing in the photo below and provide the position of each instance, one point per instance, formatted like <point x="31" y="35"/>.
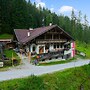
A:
<point x="67" y="51"/>
<point x="51" y="41"/>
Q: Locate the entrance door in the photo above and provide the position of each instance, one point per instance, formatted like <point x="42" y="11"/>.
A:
<point x="41" y="49"/>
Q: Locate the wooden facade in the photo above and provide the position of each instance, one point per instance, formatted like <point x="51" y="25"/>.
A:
<point x="46" y="39"/>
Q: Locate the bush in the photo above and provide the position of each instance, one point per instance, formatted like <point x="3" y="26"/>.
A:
<point x="7" y="62"/>
<point x="16" y="61"/>
<point x="33" y="57"/>
<point x="11" y="54"/>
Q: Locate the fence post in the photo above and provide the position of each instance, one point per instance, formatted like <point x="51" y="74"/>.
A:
<point x="29" y="56"/>
<point x="12" y="58"/>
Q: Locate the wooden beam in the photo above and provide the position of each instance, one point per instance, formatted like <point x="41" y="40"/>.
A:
<point x="50" y="41"/>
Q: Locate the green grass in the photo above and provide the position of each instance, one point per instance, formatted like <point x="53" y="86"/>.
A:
<point x="10" y="53"/>
<point x="4" y="68"/>
<point x="69" y="79"/>
<point x="6" y="36"/>
<point x="83" y="47"/>
<point x="56" y="62"/>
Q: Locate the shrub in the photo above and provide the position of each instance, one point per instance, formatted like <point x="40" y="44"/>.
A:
<point x="7" y="62"/>
<point x="16" y="61"/>
<point x="33" y="57"/>
<point x="11" y="54"/>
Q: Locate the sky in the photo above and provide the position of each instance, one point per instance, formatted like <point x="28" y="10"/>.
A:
<point x="65" y="6"/>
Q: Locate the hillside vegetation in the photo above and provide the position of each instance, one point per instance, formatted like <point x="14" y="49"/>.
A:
<point x="6" y="36"/>
<point x="22" y="14"/>
<point x="70" y="79"/>
<point x="83" y="47"/>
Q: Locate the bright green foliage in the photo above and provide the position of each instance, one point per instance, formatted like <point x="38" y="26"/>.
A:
<point x="83" y="47"/>
<point x="22" y="14"/>
<point x="9" y="53"/>
<point x="6" y="36"/>
<point x="14" y="59"/>
<point x="70" y="79"/>
<point x="30" y="83"/>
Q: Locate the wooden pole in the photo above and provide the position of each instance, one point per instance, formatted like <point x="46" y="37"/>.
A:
<point x="20" y="56"/>
<point x="12" y="58"/>
<point x="29" y="56"/>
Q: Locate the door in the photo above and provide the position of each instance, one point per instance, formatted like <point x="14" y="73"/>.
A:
<point x="41" y="49"/>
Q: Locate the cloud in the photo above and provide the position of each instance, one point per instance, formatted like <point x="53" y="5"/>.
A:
<point x="66" y="9"/>
<point x="52" y="9"/>
<point x="37" y="1"/>
<point x="42" y="4"/>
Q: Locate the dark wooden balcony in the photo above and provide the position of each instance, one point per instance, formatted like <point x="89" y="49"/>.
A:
<point x="40" y="41"/>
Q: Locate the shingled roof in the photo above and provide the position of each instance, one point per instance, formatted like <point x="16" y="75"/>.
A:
<point x="23" y="38"/>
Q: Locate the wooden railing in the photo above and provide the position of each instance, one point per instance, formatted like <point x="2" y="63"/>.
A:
<point x="50" y="41"/>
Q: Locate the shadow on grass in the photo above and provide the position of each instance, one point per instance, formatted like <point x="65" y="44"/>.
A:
<point x="56" y="62"/>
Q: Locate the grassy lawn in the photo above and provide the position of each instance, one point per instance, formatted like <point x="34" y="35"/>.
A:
<point x="6" y="36"/>
<point x="83" y="47"/>
<point x="8" y="63"/>
<point x="10" y="53"/>
<point x="4" y="68"/>
<point x="56" y="62"/>
<point x="69" y="79"/>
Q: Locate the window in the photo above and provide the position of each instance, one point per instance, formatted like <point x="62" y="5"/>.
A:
<point x="57" y="45"/>
<point x="54" y="46"/>
<point x="47" y="46"/>
<point x="34" y="48"/>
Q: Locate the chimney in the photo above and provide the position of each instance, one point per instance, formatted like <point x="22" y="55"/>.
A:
<point x="50" y="24"/>
<point x="30" y="28"/>
<point x="28" y="33"/>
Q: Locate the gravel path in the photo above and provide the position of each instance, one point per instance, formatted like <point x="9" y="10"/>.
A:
<point x="27" y="69"/>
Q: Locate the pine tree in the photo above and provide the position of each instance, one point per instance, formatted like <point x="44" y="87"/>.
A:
<point x="73" y="24"/>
